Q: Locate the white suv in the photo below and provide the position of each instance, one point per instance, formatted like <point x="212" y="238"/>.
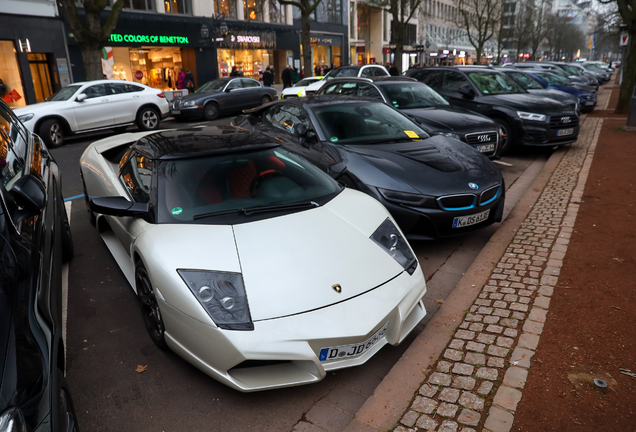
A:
<point x="365" y="71"/>
<point x="92" y="106"/>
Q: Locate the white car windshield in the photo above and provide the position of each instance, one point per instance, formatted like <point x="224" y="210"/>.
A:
<point x="64" y="94"/>
<point x="229" y="188"/>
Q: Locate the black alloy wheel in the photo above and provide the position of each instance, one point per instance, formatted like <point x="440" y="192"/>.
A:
<point x="211" y="111"/>
<point x="148" y="119"/>
<point x="91" y="216"/>
<point x="63" y="412"/>
<point x="149" y="307"/>
<point x="52" y="132"/>
<point x="265" y="99"/>
<point x="506" y="140"/>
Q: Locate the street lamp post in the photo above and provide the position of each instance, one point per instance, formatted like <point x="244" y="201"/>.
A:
<point x="214" y="30"/>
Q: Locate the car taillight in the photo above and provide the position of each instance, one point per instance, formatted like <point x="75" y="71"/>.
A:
<point x="161" y="95"/>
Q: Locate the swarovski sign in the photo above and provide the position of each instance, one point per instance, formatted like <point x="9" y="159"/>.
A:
<point x="251" y="40"/>
<point x="245" y="39"/>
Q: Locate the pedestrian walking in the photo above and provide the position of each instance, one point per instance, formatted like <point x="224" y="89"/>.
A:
<point x="268" y="76"/>
<point x="189" y="81"/>
<point x="393" y="71"/>
<point x="287" y="76"/>
<point x="181" y="80"/>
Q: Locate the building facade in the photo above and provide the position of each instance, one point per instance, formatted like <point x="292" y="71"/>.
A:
<point x="33" y="54"/>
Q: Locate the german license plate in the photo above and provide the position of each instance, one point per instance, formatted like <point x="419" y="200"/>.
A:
<point x="564" y="132"/>
<point x="175" y="112"/>
<point x="352" y="350"/>
<point x="589" y="103"/>
<point x="485" y="148"/>
<point x="464" y="221"/>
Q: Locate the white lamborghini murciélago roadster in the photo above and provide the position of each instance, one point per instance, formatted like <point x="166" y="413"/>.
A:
<point x="249" y="262"/>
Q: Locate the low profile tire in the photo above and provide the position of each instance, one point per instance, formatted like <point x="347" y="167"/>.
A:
<point x="63" y="411"/>
<point x="149" y="307"/>
<point x="91" y="216"/>
<point x="508" y="138"/>
<point x="148" y="119"/>
<point x="67" y="239"/>
<point x="211" y="111"/>
<point x="52" y="132"/>
<point x="265" y="99"/>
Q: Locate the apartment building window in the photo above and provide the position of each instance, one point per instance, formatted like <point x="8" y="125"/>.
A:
<point x="144" y="5"/>
<point x="252" y="10"/>
<point x="328" y="11"/>
<point x="177" y="6"/>
<point x="352" y="20"/>
<point x="226" y="8"/>
<point x="276" y="12"/>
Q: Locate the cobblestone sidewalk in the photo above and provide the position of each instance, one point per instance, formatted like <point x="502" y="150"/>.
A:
<point x="478" y="383"/>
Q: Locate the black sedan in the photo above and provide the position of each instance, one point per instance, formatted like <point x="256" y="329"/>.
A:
<point x="423" y="104"/>
<point x="35" y="238"/>
<point x="526" y="119"/>
<point x="222" y="97"/>
<point x="432" y="186"/>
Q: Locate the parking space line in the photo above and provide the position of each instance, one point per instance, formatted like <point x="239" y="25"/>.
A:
<point x="73" y="198"/>
<point x="67" y="205"/>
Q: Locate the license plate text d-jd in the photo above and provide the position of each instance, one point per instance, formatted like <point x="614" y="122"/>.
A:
<point x="352" y="350"/>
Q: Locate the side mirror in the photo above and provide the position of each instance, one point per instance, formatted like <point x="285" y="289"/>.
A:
<point x="467" y="91"/>
<point x="337" y="169"/>
<point x="29" y="193"/>
<point x="227" y="89"/>
<point x="301" y="133"/>
<point x="81" y="98"/>
<point x="119" y="206"/>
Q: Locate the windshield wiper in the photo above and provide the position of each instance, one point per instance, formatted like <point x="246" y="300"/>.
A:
<point x="262" y="209"/>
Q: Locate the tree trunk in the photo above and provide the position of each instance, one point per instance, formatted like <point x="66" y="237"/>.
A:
<point x="629" y="75"/>
<point x="478" y="54"/>
<point x="306" y="43"/>
<point x="92" y="55"/>
<point x="399" y="46"/>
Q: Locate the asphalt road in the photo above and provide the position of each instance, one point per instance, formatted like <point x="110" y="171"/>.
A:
<point x="107" y="340"/>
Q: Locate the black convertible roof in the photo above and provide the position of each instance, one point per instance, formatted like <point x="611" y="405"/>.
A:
<point x="193" y="142"/>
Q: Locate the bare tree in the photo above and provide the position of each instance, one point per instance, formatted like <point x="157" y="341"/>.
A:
<point x="523" y="22"/>
<point x="538" y="27"/>
<point x="306" y="7"/>
<point x="480" y="20"/>
<point x="627" y="10"/>
<point x="564" y="38"/>
<point x="89" y="33"/>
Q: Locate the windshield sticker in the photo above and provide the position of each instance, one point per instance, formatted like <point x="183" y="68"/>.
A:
<point x="395" y="104"/>
<point x="176" y="211"/>
<point x="333" y="139"/>
<point x="411" y="134"/>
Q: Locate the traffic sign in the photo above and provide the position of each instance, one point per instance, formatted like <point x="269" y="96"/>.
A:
<point x="139" y="75"/>
<point x="624" y="39"/>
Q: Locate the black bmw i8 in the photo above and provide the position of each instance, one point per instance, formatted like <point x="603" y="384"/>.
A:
<point x="432" y="186"/>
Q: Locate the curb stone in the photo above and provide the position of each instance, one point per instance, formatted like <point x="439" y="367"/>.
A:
<point x="505" y="320"/>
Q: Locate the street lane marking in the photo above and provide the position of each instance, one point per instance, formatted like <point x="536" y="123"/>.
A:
<point x="503" y="163"/>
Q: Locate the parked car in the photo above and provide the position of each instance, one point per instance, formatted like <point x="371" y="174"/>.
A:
<point x="94" y="106"/>
<point x="526" y="119"/>
<point x="248" y="261"/>
<point x="571" y="70"/>
<point x="587" y="98"/>
<point x="222" y="96"/>
<point x="423" y="104"/>
<point x="298" y="89"/>
<point x="602" y="73"/>
<point x="576" y="79"/>
<point x="432" y="186"/>
<point x="35" y="239"/>
<point x="534" y="86"/>
<point x="348" y="71"/>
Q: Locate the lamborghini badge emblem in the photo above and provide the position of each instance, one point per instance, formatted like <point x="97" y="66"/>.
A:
<point x="337" y="288"/>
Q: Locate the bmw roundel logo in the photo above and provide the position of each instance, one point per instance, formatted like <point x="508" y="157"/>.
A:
<point x="474" y="186"/>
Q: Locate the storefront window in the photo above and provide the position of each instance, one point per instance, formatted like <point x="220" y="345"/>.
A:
<point x="11" y="89"/>
<point x="178" y="6"/>
<point x="276" y="12"/>
<point x="42" y="85"/>
<point x="226" y="8"/>
<point x="248" y="63"/>
<point x="253" y="10"/>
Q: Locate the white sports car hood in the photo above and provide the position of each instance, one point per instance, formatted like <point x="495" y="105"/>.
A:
<point x="289" y="264"/>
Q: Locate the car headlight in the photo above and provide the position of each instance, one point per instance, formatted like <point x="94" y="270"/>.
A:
<point x="408" y="198"/>
<point x="12" y="421"/>
<point x="222" y="295"/>
<point x="451" y="135"/>
<point x="25" y="117"/>
<point x="576" y="107"/>
<point x="302" y="93"/>
<point x="192" y="103"/>
<point x="388" y="237"/>
<point x="531" y="116"/>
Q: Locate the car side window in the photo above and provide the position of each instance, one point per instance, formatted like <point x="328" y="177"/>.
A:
<point x="136" y="176"/>
<point x="332" y="88"/>
<point x="379" y="71"/>
<point x="13" y="147"/>
<point x="235" y="84"/>
<point x="366" y="72"/>
<point x="250" y="83"/>
<point x="96" y="91"/>
<point x="287" y="117"/>
<point x="453" y="81"/>
<point x="433" y="79"/>
<point x="117" y="88"/>
<point x="367" y="90"/>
